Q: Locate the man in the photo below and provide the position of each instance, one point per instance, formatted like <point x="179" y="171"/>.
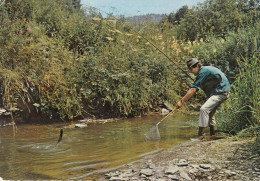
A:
<point x="216" y="86"/>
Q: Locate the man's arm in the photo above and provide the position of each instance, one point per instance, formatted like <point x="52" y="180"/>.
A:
<point x="188" y="95"/>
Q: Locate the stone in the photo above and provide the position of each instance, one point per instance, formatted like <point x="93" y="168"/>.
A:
<point x="205" y="166"/>
<point x="118" y="178"/>
<point x="182" y="163"/>
<point x="2" y="110"/>
<point x="159" y="179"/>
<point x="256" y="169"/>
<point x="228" y="172"/>
<point x="165" y="111"/>
<point x="172" y="170"/>
<point x="233" y="173"/>
<point x="151" y="165"/>
<point x="111" y="174"/>
<point x="81" y="125"/>
<point x="173" y="177"/>
<point x="147" y="172"/>
<point x="185" y="176"/>
<point x="193" y="170"/>
<point x="209" y="178"/>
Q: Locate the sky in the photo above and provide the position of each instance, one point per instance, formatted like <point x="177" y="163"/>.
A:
<point x="139" y="7"/>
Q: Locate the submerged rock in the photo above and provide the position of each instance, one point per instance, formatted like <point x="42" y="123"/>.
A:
<point x="81" y="125"/>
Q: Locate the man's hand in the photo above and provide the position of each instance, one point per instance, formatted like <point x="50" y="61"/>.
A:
<point x="179" y="104"/>
<point x="188" y="95"/>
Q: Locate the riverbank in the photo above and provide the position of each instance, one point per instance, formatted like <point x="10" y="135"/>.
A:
<point x="223" y="159"/>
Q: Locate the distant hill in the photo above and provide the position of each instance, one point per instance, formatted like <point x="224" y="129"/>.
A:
<point x="145" y="18"/>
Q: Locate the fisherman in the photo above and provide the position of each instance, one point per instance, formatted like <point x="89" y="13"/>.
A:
<point x="215" y="85"/>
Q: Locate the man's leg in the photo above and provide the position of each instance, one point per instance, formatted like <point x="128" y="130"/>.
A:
<point x="207" y="112"/>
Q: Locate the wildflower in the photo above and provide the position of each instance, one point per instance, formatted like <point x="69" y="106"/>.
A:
<point x="128" y="34"/>
<point x="109" y="38"/>
<point x="96" y="19"/>
<point x="112" y="21"/>
<point x="118" y="31"/>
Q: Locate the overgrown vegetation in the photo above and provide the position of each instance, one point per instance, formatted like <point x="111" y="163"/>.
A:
<point x="65" y="60"/>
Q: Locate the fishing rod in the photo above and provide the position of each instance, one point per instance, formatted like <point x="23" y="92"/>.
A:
<point x="151" y="43"/>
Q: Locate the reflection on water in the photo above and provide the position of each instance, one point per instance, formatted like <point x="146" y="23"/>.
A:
<point x="85" y="153"/>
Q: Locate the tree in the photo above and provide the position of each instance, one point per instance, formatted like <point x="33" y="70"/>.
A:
<point x="217" y="17"/>
<point x="178" y="16"/>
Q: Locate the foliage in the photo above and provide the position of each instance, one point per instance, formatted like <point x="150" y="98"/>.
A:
<point x="248" y="132"/>
<point x="62" y="61"/>
<point x="242" y="108"/>
<point x="217" y="17"/>
<point x="224" y="53"/>
<point x="175" y="18"/>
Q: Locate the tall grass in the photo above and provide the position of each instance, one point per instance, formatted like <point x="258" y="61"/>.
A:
<point x="242" y="109"/>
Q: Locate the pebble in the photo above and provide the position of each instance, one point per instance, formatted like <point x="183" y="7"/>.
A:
<point x="182" y="163"/>
<point x="205" y="166"/>
<point x="165" y="111"/>
<point x="173" y="177"/>
<point x="151" y="165"/>
<point x="185" y="176"/>
<point x="180" y="169"/>
<point x="118" y="179"/>
<point x="147" y="172"/>
<point x="172" y="170"/>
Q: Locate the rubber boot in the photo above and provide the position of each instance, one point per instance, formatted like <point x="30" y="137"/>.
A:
<point x="212" y="130"/>
<point x="201" y="131"/>
<point x="213" y="135"/>
<point x="200" y="134"/>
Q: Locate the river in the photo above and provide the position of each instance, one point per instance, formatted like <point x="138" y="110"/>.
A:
<point x="89" y="152"/>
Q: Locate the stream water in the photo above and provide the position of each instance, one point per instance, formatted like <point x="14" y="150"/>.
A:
<point x="89" y="152"/>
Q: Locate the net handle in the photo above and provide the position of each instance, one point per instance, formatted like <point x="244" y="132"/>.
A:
<point x="166" y="116"/>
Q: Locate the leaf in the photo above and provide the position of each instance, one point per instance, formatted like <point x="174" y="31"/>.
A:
<point x="36" y="105"/>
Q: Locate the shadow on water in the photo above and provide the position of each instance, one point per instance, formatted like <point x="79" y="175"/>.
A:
<point x="85" y="153"/>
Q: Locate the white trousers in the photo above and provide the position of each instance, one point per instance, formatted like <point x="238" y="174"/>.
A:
<point x="208" y="109"/>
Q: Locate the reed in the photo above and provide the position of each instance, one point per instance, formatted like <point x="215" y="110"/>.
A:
<point x="242" y="108"/>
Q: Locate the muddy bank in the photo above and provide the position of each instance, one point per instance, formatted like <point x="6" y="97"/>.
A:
<point x="224" y="159"/>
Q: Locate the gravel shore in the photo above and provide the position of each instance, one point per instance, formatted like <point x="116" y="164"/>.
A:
<point x="223" y="159"/>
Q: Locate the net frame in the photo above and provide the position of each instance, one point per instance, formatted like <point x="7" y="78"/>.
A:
<point x="154" y="133"/>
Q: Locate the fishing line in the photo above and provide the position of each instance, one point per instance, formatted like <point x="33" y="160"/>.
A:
<point x="151" y="43"/>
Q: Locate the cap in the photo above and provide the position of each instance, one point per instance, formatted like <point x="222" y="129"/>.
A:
<point x="192" y="62"/>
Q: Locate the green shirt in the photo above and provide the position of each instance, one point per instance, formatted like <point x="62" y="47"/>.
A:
<point x="212" y="81"/>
